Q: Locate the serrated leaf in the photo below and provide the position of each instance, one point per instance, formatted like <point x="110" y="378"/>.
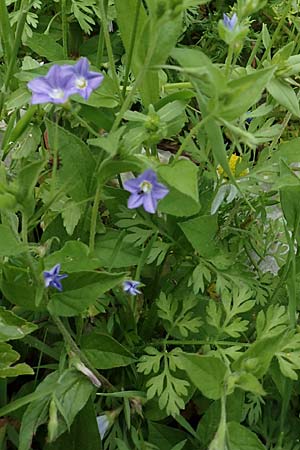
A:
<point x="71" y="215"/>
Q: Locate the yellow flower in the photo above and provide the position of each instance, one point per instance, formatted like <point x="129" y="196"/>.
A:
<point x="233" y="161"/>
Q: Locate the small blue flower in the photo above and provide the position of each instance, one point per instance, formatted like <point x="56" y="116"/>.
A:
<point x="103" y="425"/>
<point x="55" y="87"/>
<point x="230" y="23"/>
<point x="52" y="277"/>
<point x="130" y="287"/>
<point x="84" y="80"/>
<point x="145" y="191"/>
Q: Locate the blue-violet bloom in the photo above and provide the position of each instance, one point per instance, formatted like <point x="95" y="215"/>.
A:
<point x="52" y="277"/>
<point x="130" y="287"/>
<point x="145" y="191"/>
<point x="228" y="22"/>
<point x="84" y="80"/>
<point x="55" y="87"/>
<point x="103" y="425"/>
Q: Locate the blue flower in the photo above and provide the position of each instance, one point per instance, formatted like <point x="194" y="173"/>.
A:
<point x="130" y="287"/>
<point x="230" y="23"/>
<point x="103" y="425"/>
<point x="63" y="81"/>
<point x="52" y="277"/>
<point x="55" y="87"/>
<point x="145" y="191"/>
<point x="84" y="80"/>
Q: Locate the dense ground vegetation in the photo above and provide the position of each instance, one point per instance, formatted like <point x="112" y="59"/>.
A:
<point x="149" y="224"/>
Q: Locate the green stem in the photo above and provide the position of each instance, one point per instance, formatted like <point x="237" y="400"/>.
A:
<point x="100" y="48"/>
<point x="64" y="24"/>
<point x="24" y="232"/>
<point x="131" y="48"/>
<point x="136" y="85"/>
<point x="55" y="158"/>
<point x="94" y="218"/>
<point x="181" y="85"/>
<point x="219" y="442"/>
<point x="109" y="47"/>
<point x="17" y="41"/>
<point x="228" y="61"/>
<point x="196" y="342"/>
<point x="276" y="32"/>
<point x="71" y="343"/>
<point x="5" y="32"/>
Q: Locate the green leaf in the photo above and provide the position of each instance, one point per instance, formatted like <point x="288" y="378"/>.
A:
<point x="285" y="95"/>
<point x="81" y="290"/>
<point x="245" y="92"/>
<point x="104" y="251"/>
<point x="18" y="369"/>
<point x="183" y="198"/>
<point x="71" y="215"/>
<point x="77" y="162"/>
<point x="26" y="182"/>
<point x="206" y="372"/>
<point x="8" y="356"/>
<point x="72" y="390"/>
<point x="249" y="382"/>
<point x="201" y="70"/>
<point x="9" y="245"/>
<point x="165" y="437"/>
<point x="104" y="352"/>
<point x="17" y="287"/>
<point x="45" y="45"/>
<point x="18" y="98"/>
<point x="73" y="257"/>
<point x="241" y="438"/>
<point x="259" y="355"/>
<point x="12" y="326"/>
<point x="201" y="233"/>
<point x="27" y="143"/>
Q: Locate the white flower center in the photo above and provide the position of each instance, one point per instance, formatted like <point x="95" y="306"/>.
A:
<point x="57" y="93"/>
<point x="81" y="83"/>
<point x="146" y="187"/>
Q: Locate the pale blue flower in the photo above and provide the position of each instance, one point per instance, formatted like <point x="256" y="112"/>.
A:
<point x="55" y="87"/>
<point x="230" y="23"/>
<point x="103" y="425"/>
<point x="145" y="191"/>
<point x="84" y="80"/>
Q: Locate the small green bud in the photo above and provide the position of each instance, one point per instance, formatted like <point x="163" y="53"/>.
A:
<point x="53" y="422"/>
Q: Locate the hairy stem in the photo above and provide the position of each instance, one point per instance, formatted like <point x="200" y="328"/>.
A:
<point x="64" y="24"/>
<point x="109" y="46"/>
<point x="73" y="346"/>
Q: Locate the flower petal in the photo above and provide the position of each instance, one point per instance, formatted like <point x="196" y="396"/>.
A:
<point x="159" y="191"/>
<point x="132" y="185"/>
<point x="149" y="203"/>
<point x="135" y="200"/>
